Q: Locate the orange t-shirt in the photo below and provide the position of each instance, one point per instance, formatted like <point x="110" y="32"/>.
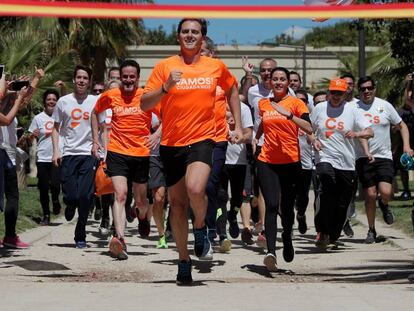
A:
<point x="188" y="109"/>
<point x="130" y="125"/>
<point x="220" y="108"/>
<point x="281" y="144"/>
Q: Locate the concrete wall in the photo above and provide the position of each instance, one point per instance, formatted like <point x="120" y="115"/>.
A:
<point x="320" y="63"/>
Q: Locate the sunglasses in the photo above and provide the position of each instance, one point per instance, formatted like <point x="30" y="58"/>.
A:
<point x="98" y="90"/>
<point x="364" y="88"/>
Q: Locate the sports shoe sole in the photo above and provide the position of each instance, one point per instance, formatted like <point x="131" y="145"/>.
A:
<point x="116" y="250"/>
<point x="270" y="263"/>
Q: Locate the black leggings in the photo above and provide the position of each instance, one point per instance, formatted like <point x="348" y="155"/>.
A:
<point x="303" y="186"/>
<point x="48" y="177"/>
<point x="336" y="194"/>
<point x="235" y="174"/>
<point x="277" y="182"/>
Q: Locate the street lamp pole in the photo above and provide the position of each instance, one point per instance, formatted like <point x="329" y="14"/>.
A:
<point x="304" y="63"/>
<point x="361" y="48"/>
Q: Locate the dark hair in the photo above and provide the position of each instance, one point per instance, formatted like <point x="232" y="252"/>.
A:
<point x="319" y="93"/>
<point x="201" y="21"/>
<point x="281" y="69"/>
<point x="243" y="80"/>
<point x="304" y="93"/>
<point x="296" y="73"/>
<point x="48" y="92"/>
<point x="210" y="44"/>
<point x="112" y="69"/>
<point x="130" y="63"/>
<point x="267" y="59"/>
<point x="365" y="79"/>
<point x="348" y="75"/>
<point x="84" y="68"/>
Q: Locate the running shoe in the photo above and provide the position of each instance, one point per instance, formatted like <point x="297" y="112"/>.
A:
<point x="270" y="262"/>
<point x="98" y="214"/>
<point x="322" y="240"/>
<point x="405" y="196"/>
<point x="225" y="245"/>
<point x="288" y="250"/>
<point x="347" y="228"/>
<point x="14" y="242"/>
<point x="202" y="246"/>
<point x="45" y="221"/>
<point x="81" y="244"/>
<point x="387" y="215"/>
<point x="261" y="240"/>
<point x="302" y="226"/>
<point x="56" y="207"/>
<point x="247" y="236"/>
<point x="233" y="225"/>
<point x="144" y="227"/>
<point x="184" y="273"/>
<point x="69" y="212"/>
<point x="371" y="236"/>
<point x="162" y="242"/>
<point x="104" y="231"/>
<point x="118" y="249"/>
<point x="131" y="214"/>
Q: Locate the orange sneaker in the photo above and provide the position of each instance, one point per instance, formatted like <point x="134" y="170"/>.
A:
<point x="117" y="248"/>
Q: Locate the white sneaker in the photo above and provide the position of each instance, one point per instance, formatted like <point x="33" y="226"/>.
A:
<point x="104" y="231"/>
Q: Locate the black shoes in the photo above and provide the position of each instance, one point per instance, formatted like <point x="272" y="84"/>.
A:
<point x="233" y="225"/>
<point x="371" y="236"/>
<point x="348" y="231"/>
<point x="386" y="212"/>
<point x="288" y="250"/>
<point x="70" y="212"/>
<point x="302" y="226"/>
<point x="184" y="273"/>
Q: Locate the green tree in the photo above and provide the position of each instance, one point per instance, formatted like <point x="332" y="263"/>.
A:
<point x="159" y="36"/>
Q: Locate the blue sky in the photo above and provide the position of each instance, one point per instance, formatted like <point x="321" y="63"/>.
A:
<point x="243" y="31"/>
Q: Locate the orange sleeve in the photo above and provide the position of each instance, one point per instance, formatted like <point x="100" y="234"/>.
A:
<point x="260" y="106"/>
<point x="103" y="103"/>
<point x="299" y="108"/>
<point x="226" y="80"/>
<point x="156" y="79"/>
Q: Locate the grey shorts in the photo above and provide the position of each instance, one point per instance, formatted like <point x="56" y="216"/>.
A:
<point x="156" y="173"/>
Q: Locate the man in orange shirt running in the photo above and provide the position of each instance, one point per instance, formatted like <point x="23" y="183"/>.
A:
<point x="127" y="151"/>
<point x="185" y="86"/>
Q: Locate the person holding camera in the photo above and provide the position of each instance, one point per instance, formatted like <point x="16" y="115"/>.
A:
<point x="10" y="104"/>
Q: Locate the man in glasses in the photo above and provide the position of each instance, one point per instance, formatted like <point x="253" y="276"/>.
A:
<point x="98" y="88"/>
<point x="376" y="170"/>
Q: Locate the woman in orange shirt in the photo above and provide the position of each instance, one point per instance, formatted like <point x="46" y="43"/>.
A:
<point x="279" y="161"/>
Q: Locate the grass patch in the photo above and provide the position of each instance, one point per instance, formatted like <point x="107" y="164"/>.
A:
<point x="402" y="214"/>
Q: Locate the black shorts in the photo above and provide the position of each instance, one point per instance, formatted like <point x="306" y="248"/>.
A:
<point x="370" y="174"/>
<point x="135" y="169"/>
<point x="176" y="159"/>
<point x="156" y="173"/>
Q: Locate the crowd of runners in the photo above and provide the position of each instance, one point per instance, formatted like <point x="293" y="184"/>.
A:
<point x="194" y="144"/>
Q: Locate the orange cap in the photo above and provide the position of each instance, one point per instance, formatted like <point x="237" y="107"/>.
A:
<point x="338" y="85"/>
